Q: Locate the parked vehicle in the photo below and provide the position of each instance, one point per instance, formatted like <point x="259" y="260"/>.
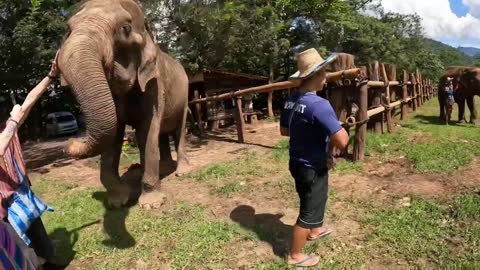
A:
<point x="61" y="123"/>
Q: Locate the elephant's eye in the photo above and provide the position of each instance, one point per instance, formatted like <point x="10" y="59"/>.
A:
<point x="127" y="29"/>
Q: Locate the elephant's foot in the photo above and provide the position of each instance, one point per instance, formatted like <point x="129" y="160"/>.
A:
<point x="152" y="200"/>
<point x="183" y="166"/>
<point x="462" y="121"/>
<point x="118" y="196"/>
<point x="473" y="121"/>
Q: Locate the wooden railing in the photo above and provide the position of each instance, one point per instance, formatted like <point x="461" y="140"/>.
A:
<point x="414" y="92"/>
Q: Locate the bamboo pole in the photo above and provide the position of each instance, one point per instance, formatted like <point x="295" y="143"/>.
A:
<point x="333" y="76"/>
<point x="387" y="99"/>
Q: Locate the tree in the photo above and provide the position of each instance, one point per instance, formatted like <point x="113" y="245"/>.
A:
<point x="31" y="33"/>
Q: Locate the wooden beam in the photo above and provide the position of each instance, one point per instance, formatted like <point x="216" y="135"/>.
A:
<point x="375" y="111"/>
<point x="333" y="76"/>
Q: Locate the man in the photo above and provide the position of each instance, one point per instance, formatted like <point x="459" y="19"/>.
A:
<point x="313" y="128"/>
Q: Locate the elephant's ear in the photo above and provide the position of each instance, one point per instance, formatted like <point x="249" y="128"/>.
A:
<point x="147" y="68"/>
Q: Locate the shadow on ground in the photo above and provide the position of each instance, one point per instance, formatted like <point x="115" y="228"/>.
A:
<point x="64" y="241"/>
<point x="435" y="120"/>
<point x="268" y="228"/>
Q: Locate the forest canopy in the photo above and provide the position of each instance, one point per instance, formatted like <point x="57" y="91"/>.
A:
<point x="250" y="36"/>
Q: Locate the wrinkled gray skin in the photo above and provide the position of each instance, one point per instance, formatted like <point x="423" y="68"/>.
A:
<point x="119" y="76"/>
<point x="468" y="81"/>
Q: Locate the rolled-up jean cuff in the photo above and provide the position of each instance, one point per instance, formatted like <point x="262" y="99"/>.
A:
<point x="309" y="225"/>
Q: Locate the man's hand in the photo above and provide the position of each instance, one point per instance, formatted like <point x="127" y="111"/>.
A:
<point x="284" y="131"/>
<point x="331" y="163"/>
<point x="54" y="69"/>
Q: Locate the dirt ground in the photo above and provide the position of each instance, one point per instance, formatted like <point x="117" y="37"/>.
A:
<point x="380" y="181"/>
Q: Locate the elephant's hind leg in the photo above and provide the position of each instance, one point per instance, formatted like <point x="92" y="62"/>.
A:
<point x="180" y="146"/>
<point x="473" y="110"/>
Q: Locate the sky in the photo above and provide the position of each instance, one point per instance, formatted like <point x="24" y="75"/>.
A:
<point x="454" y="22"/>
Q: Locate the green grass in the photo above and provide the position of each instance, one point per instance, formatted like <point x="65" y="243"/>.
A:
<point x="423" y="230"/>
<point x="81" y="228"/>
<point x="344" y="167"/>
<point x="280" y="153"/>
<point x="430" y="145"/>
<point x="228" y="178"/>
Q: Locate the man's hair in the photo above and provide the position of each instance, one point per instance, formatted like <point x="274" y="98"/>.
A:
<point x="311" y="78"/>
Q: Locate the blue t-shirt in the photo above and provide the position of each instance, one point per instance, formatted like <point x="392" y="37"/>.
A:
<point x="313" y="122"/>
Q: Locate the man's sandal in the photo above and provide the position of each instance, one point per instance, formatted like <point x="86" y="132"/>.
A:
<point x="310" y="261"/>
<point x="323" y="234"/>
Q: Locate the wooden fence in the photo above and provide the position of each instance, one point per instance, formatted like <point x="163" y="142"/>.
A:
<point x="375" y="92"/>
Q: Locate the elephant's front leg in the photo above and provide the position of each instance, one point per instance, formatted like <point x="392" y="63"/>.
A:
<point x="118" y="192"/>
<point x="461" y="109"/>
<point x="148" y="143"/>
<point x="473" y="110"/>
<point x="443" y="108"/>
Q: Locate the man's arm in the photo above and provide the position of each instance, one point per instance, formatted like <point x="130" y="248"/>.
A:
<point x="284" y="131"/>
<point x="340" y="139"/>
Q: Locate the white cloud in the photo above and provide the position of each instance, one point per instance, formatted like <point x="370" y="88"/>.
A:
<point x="474" y="6"/>
<point x="440" y="22"/>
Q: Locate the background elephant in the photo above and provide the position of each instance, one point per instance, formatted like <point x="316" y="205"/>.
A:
<point x="119" y="76"/>
<point x="465" y="93"/>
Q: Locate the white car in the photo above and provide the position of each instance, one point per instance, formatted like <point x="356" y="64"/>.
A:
<point x="60" y="123"/>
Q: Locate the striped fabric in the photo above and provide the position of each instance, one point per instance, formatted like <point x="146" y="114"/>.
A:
<point x="23" y="206"/>
<point x="12" y="250"/>
<point x="9" y="179"/>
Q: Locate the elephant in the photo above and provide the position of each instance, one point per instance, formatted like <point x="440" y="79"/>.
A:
<point x="121" y="77"/>
<point x="466" y="89"/>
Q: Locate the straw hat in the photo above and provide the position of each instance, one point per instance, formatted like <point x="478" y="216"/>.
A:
<point x="309" y="62"/>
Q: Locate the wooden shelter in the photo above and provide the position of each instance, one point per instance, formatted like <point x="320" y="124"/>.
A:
<point x="216" y="82"/>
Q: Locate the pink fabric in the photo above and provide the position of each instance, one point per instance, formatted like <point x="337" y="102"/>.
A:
<point x="8" y="178"/>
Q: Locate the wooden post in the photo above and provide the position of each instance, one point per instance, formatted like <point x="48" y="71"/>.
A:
<point x="419" y="88"/>
<point x="198" y="113"/>
<point x="387" y="100"/>
<point x="374" y="75"/>
<point x="405" y="96"/>
<point x="361" y="129"/>
<point x="414" y="92"/>
<point x="240" y="122"/>
<point x="270" y="94"/>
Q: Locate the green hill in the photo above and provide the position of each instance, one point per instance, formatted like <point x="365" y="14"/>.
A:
<point x="449" y="55"/>
<point x="470" y="51"/>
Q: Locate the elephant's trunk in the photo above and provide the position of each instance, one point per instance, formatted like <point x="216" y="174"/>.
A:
<point x="81" y="65"/>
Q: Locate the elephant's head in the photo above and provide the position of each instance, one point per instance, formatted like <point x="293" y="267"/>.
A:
<point x="107" y="52"/>
<point x="471" y="80"/>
